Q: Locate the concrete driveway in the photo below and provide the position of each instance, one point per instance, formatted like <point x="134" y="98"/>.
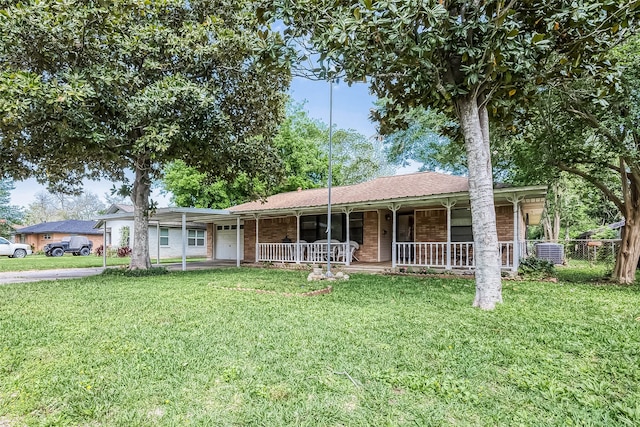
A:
<point x="38" y="275"/>
<point x="75" y="273"/>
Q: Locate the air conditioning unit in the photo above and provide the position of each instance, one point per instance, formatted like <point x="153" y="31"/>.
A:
<point x="552" y="252"/>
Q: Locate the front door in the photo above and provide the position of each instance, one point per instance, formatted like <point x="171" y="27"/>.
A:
<point x="405" y="228"/>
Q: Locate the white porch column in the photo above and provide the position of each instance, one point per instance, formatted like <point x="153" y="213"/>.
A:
<point x="448" y="204"/>
<point x="347" y="248"/>
<point x="394" y="208"/>
<point x="257" y="239"/>
<point x="158" y="243"/>
<point x="298" y="237"/>
<point x="104" y="245"/>
<point x="184" y="242"/>
<point x="516" y="241"/>
<point x="238" y="255"/>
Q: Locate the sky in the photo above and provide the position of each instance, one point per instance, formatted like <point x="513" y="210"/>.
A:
<point x="351" y="106"/>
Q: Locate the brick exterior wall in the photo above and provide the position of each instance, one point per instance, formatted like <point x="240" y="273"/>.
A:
<point x="272" y="230"/>
<point x="431" y="226"/>
<point x="368" y="251"/>
<point x="504" y="222"/>
<point x="250" y="240"/>
<point x="210" y="241"/>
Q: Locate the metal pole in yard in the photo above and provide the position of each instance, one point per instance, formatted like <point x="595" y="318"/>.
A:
<point x="329" y="274"/>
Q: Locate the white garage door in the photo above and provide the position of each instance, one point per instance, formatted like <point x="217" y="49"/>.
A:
<point x="226" y="242"/>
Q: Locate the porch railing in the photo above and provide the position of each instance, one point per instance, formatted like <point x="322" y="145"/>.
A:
<point x="454" y="255"/>
<point x="304" y="252"/>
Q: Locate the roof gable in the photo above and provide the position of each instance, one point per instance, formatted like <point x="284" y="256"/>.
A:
<point x="119" y="207"/>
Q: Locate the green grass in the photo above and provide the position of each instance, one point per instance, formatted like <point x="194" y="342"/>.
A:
<point x="42" y="262"/>
<point x="178" y="350"/>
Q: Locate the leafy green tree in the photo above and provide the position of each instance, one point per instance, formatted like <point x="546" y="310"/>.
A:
<point x="593" y="135"/>
<point x="470" y="59"/>
<point x="302" y="145"/>
<point x="191" y="188"/>
<point x="91" y="89"/>
<point x="430" y="139"/>
<point x="9" y="214"/>
<point x="357" y="158"/>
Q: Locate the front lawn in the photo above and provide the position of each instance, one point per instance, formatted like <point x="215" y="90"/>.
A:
<point x="43" y="262"/>
<point x="180" y="350"/>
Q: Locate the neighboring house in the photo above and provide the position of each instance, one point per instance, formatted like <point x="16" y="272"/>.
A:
<point x="164" y="238"/>
<point x="615" y="226"/>
<point x="421" y="220"/>
<point x="46" y="232"/>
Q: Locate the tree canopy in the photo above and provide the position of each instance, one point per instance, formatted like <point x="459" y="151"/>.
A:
<point x="91" y="89"/>
<point x="472" y="60"/>
<point x="594" y="135"/>
<point x="302" y="145"/>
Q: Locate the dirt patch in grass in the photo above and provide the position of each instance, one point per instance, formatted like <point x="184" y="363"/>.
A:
<point x="314" y="293"/>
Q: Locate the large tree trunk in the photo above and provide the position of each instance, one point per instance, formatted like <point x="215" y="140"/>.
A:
<point x="140" y="197"/>
<point x="557" y="209"/>
<point x="629" y="251"/>
<point x="551" y="228"/>
<point x="483" y="215"/>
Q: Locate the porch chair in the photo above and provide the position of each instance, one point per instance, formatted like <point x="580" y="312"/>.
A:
<point x="340" y="254"/>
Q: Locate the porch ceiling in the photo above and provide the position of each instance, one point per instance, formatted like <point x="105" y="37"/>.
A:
<point x="173" y="215"/>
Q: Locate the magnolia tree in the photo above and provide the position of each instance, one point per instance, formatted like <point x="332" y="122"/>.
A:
<point x="470" y="59"/>
<point x="92" y="89"/>
<point x="593" y="135"/>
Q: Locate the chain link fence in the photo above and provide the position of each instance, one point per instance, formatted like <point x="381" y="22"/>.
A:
<point x="592" y="251"/>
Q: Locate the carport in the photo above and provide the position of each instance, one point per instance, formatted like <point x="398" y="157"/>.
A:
<point x="175" y="215"/>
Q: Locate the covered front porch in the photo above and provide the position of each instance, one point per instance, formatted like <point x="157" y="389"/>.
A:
<point x="440" y="255"/>
<point x="419" y="234"/>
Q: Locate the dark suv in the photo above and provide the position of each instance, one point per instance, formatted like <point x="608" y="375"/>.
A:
<point x="77" y="245"/>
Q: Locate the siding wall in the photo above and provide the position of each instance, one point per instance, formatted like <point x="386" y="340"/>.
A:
<point x="385" y="231"/>
<point x="173" y="250"/>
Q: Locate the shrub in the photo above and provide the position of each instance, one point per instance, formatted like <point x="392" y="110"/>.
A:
<point x="536" y="267"/>
<point x="127" y="272"/>
<point x="124" y="251"/>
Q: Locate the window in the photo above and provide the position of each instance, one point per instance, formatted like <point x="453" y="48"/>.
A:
<point x="461" y="230"/>
<point x="46" y="236"/>
<point x="356" y="227"/>
<point x="164" y="237"/>
<point x="314" y="227"/>
<point x="195" y="237"/>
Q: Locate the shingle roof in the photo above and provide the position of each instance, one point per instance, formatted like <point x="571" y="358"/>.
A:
<point x="379" y="189"/>
<point x="70" y="226"/>
<point x="119" y="207"/>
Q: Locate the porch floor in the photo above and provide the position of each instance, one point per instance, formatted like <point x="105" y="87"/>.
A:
<point x="355" y="267"/>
